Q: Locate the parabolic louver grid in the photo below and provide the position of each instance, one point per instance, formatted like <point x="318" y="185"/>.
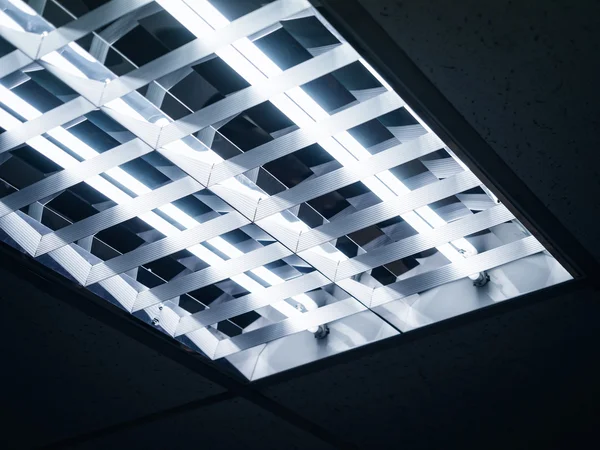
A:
<point x="236" y="175"/>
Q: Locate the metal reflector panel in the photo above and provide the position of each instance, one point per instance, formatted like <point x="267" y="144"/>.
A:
<point x="240" y="178"/>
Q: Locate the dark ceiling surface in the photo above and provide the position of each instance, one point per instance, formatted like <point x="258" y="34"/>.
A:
<point x="523" y="74"/>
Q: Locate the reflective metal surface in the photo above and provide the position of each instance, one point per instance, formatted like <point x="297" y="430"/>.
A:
<point x="238" y="178"/>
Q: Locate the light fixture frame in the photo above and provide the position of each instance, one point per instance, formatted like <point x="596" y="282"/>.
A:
<point x="354" y="24"/>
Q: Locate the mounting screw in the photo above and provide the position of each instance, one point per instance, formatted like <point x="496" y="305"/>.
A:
<point x="481" y="280"/>
<point x="322" y="332"/>
<point x="155" y="321"/>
